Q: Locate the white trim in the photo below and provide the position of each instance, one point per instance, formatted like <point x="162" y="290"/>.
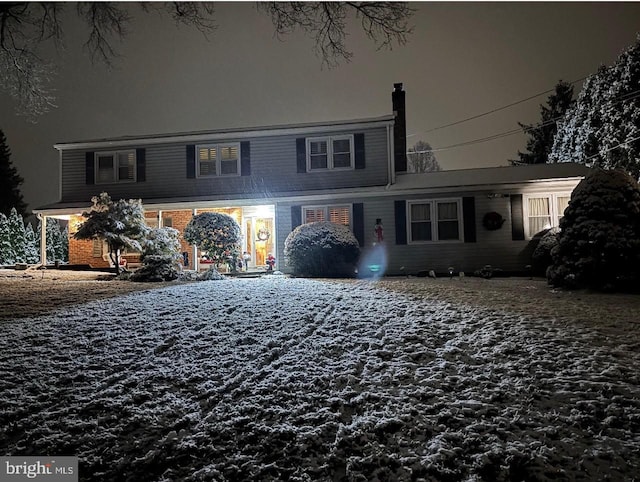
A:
<point x="330" y="154"/>
<point x="553" y="209"/>
<point x="433" y="203"/>
<point x="116" y="168"/>
<point x="226" y="134"/>
<point x="218" y="147"/>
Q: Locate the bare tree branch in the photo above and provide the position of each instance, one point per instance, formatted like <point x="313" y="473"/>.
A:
<point x="27" y="26"/>
<point x="385" y="23"/>
<point x="106" y="20"/>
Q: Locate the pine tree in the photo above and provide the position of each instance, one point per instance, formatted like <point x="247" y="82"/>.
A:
<point x="541" y="135"/>
<point x="7" y="255"/>
<point x="603" y="128"/>
<point x="16" y="235"/>
<point x="53" y="239"/>
<point x="10" y="195"/>
<point x="32" y="245"/>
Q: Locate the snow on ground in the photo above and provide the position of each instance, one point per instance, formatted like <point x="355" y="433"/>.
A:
<point x="295" y="379"/>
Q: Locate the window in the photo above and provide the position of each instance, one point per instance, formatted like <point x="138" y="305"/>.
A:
<point x="544" y="211"/>
<point x="436" y="220"/>
<point x="330" y="153"/>
<point x="117" y="166"/>
<point x="219" y="160"/>
<point x="333" y="214"/>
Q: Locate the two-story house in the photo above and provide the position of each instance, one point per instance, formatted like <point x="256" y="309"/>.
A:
<point x="353" y="172"/>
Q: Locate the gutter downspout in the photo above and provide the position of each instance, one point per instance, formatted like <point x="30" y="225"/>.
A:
<point x="43" y="238"/>
<point x="391" y="174"/>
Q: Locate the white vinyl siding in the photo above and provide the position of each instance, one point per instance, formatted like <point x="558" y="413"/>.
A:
<point x="218" y="160"/>
<point x="335" y="152"/>
<point x="543" y="211"/>
<point x="334" y="214"/>
<point x="434" y="220"/>
<point x="119" y="166"/>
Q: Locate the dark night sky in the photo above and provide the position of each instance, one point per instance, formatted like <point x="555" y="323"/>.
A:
<point x="462" y="59"/>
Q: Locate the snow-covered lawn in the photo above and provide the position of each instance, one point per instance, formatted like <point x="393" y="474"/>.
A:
<point x="294" y="379"/>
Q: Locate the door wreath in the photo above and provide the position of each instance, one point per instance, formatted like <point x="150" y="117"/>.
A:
<point x="492" y="221"/>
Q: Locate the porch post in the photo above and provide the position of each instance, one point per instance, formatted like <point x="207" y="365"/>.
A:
<point x="43" y="239"/>
<point x="194" y="253"/>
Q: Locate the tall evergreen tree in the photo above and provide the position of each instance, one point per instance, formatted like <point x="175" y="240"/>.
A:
<point x="7" y="255"/>
<point x="32" y="245"/>
<point x="541" y="135"/>
<point x="10" y="195"/>
<point x="16" y="235"/>
<point x="603" y="128"/>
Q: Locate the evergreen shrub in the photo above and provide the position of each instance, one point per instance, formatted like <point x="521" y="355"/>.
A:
<point x="322" y="249"/>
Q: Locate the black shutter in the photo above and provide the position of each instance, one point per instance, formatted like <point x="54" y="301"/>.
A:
<point x="400" y="210"/>
<point x="301" y="154"/>
<point x="469" y="218"/>
<point x="358" y="222"/>
<point x="191" y="161"/>
<point x="358" y="141"/>
<point x="517" y="218"/>
<point x="141" y="165"/>
<point x="89" y="163"/>
<point x="245" y="158"/>
<point x="296" y="217"/>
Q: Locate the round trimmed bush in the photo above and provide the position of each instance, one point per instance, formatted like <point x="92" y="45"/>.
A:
<point x="322" y="249"/>
<point x="599" y="242"/>
<point x="541" y="258"/>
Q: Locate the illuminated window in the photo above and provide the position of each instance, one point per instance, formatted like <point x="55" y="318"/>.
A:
<point x="435" y="220"/>
<point x="219" y="160"/>
<point x="113" y="167"/>
<point x="334" y="214"/>
<point x="544" y="211"/>
<point x="330" y="153"/>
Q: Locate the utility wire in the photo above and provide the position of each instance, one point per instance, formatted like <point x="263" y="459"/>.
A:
<point x="493" y="110"/>
<point x="628" y="96"/>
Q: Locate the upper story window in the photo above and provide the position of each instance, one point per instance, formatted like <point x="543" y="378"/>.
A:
<point x="334" y="152"/>
<point x="544" y="211"/>
<point x="334" y="214"/>
<point x="118" y="166"/>
<point x="435" y="220"/>
<point x="219" y="160"/>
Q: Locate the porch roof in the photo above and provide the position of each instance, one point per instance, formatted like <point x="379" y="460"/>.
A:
<point x="478" y="179"/>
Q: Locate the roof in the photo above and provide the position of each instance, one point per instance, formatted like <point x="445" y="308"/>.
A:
<point x="242" y="132"/>
<point x="440" y="181"/>
<point x="489" y="176"/>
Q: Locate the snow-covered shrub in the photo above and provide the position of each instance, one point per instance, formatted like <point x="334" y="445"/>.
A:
<point x="322" y="249"/>
<point x="541" y="258"/>
<point x="217" y="235"/>
<point x="160" y="256"/>
<point x="599" y="242"/>
<point x="120" y="223"/>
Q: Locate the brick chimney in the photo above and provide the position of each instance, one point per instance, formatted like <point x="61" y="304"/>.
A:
<point x="399" y="129"/>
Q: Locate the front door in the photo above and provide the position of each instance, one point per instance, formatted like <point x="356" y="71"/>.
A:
<point x="259" y="240"/>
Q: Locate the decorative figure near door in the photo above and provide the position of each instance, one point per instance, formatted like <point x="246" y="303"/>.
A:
<point x="379" y="231"/>
<point x="246" y="257"/>
<point x="271" y="261"/>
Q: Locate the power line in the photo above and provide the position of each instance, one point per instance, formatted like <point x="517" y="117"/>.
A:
<point x="493" y="110"/>
<point x="625" y="97"/>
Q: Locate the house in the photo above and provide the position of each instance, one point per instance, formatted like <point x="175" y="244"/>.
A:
<point x="354" y="172"/>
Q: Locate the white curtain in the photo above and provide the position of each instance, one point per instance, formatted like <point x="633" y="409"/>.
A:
<point x="539" y="215"/>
